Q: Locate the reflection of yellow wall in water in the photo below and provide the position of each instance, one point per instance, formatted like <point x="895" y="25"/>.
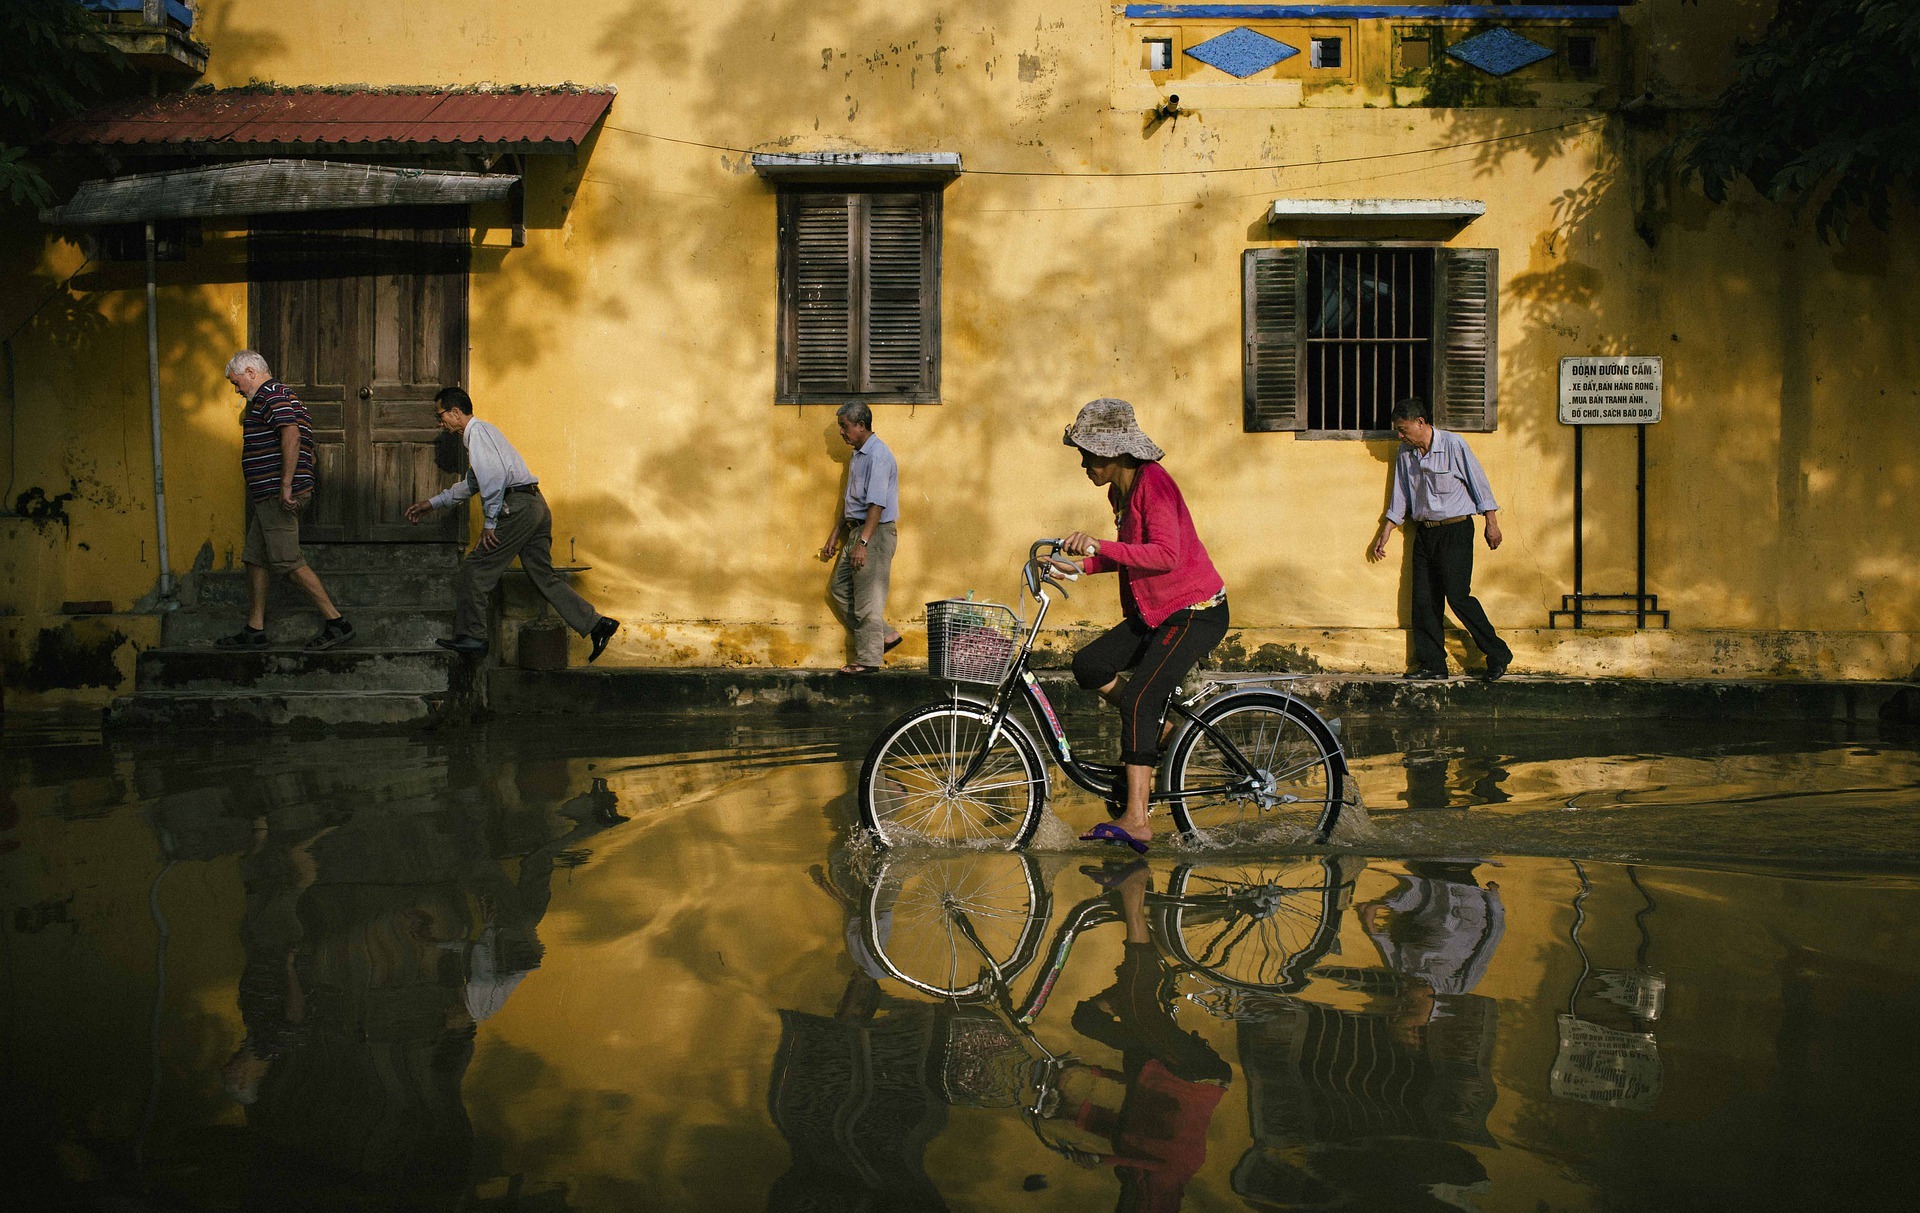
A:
<point x="628" y="349"/>
<point x="640" y="1051"/>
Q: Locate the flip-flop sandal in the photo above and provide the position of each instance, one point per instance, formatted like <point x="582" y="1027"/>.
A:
<point x="888" y="646"/>
<point x="856" y="669"/>
<point x="1112" y="873"/>
<point x="1106" y="831"/>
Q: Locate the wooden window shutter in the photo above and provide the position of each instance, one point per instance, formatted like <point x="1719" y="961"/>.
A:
<point x="859" y="296"/>
<point x="1273" y="305"/>
<point x="818" y="281"/>
<point x="1466" y="297"/>
<point x="901" y="304"/>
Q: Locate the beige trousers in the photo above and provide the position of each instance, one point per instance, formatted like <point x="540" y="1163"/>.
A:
<point x="861" y="594"/>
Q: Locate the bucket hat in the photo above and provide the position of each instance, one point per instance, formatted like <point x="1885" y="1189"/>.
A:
<point x="1106" y="427"/>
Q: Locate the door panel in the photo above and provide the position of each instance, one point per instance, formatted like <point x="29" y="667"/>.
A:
<point x="418" y="327"/>
<point x="364" y="316"/>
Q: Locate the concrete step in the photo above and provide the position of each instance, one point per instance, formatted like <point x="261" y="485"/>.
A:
<point x="259" y="671"/>
<point x="329" y="711"/>
<point x="350" y="590"/>
<point x="374" y="557"/>
<point x="373" y="627"/>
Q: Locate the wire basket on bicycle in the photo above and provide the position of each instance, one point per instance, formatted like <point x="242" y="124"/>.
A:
<point x="970" y="641"/>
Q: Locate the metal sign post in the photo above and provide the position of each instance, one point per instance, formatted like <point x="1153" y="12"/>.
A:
<point x="1609" y="390"/>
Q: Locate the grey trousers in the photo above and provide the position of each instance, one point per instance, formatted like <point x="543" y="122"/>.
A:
<point x="862" y="595"/>
<point x="525" y="529"/>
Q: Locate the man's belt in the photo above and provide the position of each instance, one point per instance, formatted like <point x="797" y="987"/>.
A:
<point x="524" y="488"/>
<point x="1444" y="521"/>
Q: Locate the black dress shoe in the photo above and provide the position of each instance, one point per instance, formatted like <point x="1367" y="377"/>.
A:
<point x="1425" y="675"/>
<point x="601" y="633"/>
<point x="463" y="644"/>
<point x="1495" y="672"/>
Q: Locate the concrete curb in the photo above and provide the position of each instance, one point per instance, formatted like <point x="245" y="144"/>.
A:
<point x="594" y="692"/>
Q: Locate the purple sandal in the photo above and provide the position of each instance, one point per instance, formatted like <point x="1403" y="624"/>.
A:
<point x="1106" y="831"/>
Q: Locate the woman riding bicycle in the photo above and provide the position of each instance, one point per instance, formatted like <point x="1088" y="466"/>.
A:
<point x="1174" y="600"/>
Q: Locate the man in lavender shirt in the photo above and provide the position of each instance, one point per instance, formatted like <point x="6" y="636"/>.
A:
<point x="1437" y="489"/>
<point x="863" y="538"/>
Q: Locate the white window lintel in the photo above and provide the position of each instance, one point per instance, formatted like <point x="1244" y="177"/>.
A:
<point x="1460" y="210"/>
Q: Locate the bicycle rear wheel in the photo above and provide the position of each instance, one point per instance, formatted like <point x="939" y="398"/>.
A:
<point x="911" y="789"/>
<point x="934" y="923"/>
<point x="1292" y="781"/>
<point x="1256" y="926"/>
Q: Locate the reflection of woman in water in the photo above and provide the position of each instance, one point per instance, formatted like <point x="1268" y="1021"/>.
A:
<point x="1153" y="1114"/>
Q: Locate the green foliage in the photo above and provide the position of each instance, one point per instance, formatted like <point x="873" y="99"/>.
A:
<point x="1821" y="113"/>
<point x="54" y="65"/>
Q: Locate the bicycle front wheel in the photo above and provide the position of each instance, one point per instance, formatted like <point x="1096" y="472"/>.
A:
<point x="1284" y="773"/>
<point x="1256" y="926"/>
<point x="915" y="786"/>
<point x="945" y="924"/>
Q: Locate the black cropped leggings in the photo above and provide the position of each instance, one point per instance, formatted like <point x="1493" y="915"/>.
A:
<point x="1160" y="657"/>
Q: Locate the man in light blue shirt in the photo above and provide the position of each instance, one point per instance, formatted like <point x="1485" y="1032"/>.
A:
<point x="1437" y="489"/>
<point x="864" y="538"/>
<point x="515" y="521"/>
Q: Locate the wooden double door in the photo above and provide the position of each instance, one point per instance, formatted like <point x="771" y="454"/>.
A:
<point x="364" y="315"/>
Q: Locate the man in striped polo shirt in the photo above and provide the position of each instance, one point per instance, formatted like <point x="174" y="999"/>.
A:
<point x="276" y="458"/>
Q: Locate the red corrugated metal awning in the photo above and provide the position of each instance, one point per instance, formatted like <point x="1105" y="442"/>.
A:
<point x="250" y="121"/>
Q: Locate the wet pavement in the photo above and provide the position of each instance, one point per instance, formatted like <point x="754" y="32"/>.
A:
<point x="641" y="966"/>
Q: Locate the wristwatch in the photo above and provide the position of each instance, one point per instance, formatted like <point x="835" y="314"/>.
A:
<point x="863" y="541"/>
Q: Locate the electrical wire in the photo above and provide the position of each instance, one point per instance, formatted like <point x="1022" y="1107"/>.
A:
<point x="1188" y="172"/>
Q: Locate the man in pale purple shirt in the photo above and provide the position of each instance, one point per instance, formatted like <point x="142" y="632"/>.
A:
<point x="863" y="538"/>
<point x="1437" y="489"/>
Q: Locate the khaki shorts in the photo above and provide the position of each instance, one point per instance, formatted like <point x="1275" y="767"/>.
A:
<point x="273" y="535"/>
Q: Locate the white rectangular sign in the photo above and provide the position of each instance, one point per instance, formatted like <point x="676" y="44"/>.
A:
<point x="1610" y="390"/>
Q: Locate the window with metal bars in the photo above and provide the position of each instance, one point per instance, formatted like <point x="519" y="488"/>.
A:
<point x="859" y="296"/>
<point x="1336" y="334"/>
<point x="1369" y="334"/>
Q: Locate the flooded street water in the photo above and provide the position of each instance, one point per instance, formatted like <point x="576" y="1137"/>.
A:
<point x="1565" y="966"/>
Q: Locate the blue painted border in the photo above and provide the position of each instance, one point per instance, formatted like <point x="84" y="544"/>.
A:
<point x="175" y="9"/>
<point x="1368" y="12"/>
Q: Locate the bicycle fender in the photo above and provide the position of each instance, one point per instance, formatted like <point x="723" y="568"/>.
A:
<point x="1256" y="695"/>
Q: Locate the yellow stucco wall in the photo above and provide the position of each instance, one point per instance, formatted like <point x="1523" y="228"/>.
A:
<point x="628" y="349"/>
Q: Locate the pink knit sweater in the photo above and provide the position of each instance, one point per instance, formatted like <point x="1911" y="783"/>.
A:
<point x="1163" y="565"/>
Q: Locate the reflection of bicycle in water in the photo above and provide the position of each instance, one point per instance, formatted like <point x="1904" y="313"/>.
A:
<point x="968" y="770"/>
<point x="966" y="927"/>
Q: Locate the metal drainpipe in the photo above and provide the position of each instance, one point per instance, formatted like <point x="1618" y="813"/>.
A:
<point x="153" y="409"/>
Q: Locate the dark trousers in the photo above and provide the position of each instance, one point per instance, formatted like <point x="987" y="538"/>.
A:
<point x="1159" y="657"/>
<point x="524" y="529"/>
<point x="1443" y="573"/>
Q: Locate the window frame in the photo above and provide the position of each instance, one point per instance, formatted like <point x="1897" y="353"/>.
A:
<point x="860" y="197"/>
<point x="1465" y="338"/>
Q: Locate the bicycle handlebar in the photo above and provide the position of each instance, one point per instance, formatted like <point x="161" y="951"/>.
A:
<point x="1039" y="567"/>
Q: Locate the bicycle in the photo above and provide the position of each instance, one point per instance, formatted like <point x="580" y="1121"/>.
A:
<point x="967" y="771"/>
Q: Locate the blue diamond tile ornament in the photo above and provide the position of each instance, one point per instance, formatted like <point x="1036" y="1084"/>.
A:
<point x="1241" y="52"/>
<point x="1499" y="51"/>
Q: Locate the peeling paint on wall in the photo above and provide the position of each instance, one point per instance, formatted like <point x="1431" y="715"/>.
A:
<point x="69" y="657"/>
<point x="35" y="506"/>
<point x="31" y="920"/>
